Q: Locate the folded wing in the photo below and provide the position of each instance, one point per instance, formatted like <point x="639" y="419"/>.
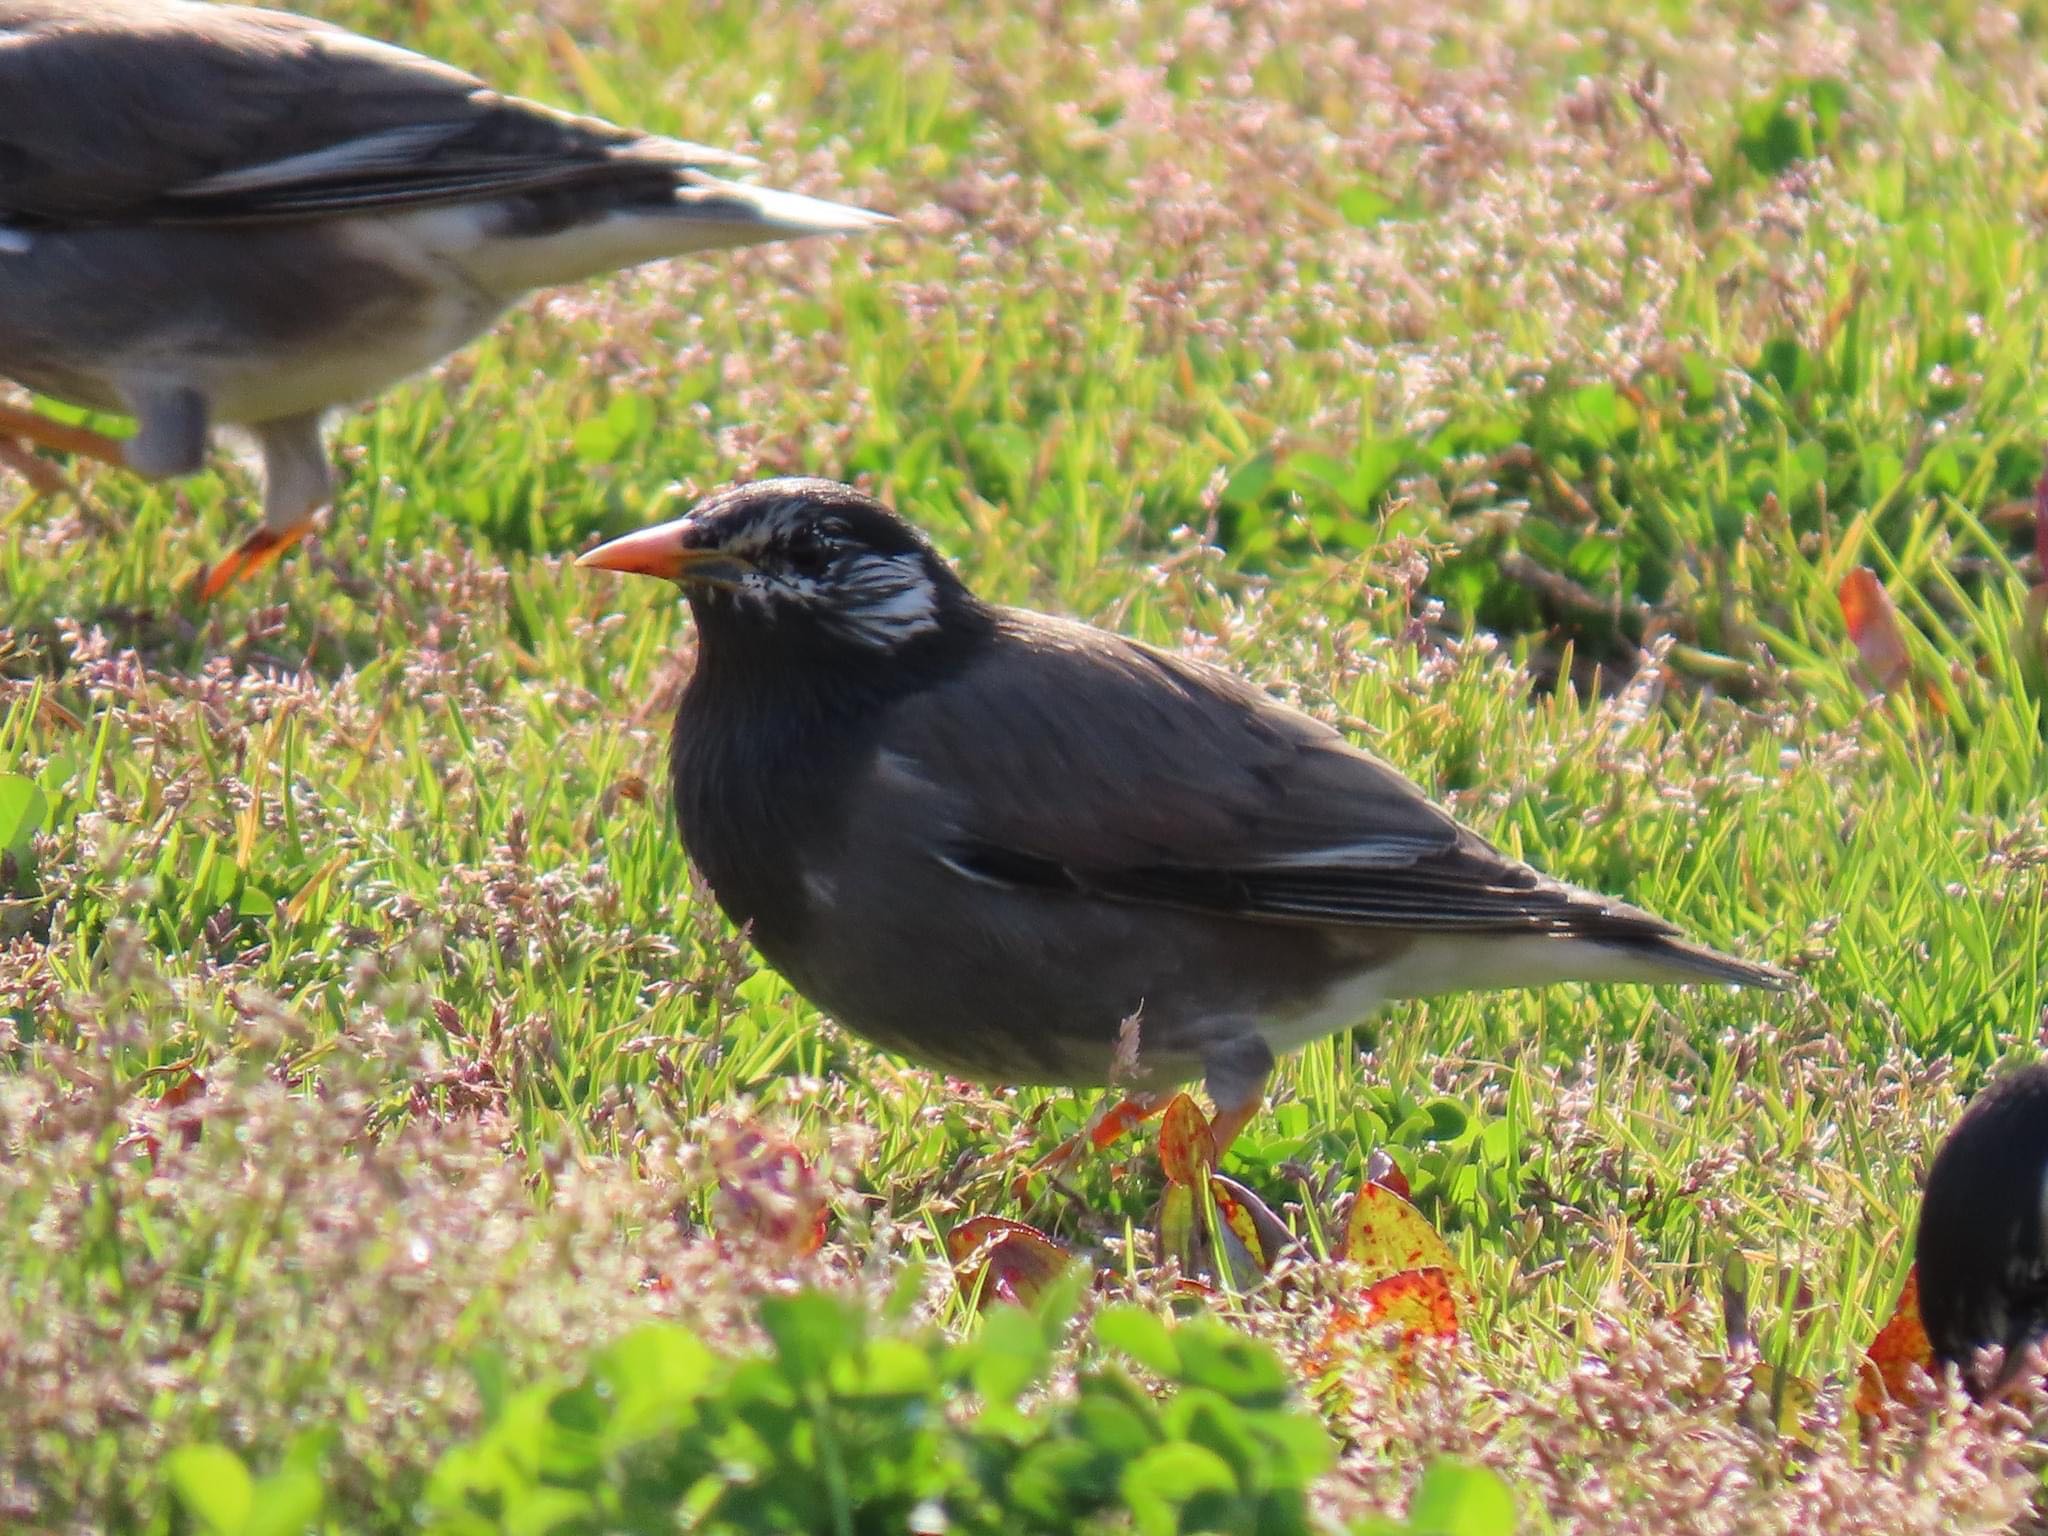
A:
<point x="117" y="111"/>
<point x="1107" y="768"/>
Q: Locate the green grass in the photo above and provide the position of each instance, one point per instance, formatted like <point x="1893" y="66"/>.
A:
<point x="1399" y="357"/>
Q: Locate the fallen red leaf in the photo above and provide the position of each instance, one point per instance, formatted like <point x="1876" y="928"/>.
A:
<point x="1421" y="1301"/>
<point x="183" y="1091"/>
<point x="1187" y="1152"/>
<point x="1901" y="1347"/>
<point x="1875" y="630"/>
<point x="1017" y="1263"/>
<point x="184" y="1106"/>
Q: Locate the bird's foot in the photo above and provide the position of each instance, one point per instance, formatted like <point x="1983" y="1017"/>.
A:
<point x="1111" y="1125"/>
<point x="60" y="437"/>
<point x="251" y="555"/>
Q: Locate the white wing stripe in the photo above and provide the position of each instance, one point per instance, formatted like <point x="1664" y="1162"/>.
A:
<point x="390" y="150"/>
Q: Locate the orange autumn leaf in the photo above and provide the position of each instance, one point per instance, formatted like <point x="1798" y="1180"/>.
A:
<point x="1386" y="1236"/>
<point x="1874" y="629"/>
<point x="1421" y="1303"/>
<point x="1900" y="1347"/>
<point x="1187" y="1153"/>
<point x="1017" y="1262"/>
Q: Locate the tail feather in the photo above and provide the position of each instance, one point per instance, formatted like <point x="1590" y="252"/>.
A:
<point x="1675" y="959"/>
<point x="1439" y="963"/>
<point x="756" y="214"/>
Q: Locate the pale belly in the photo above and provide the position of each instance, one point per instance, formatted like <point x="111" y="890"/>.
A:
<point x="266" y="324"/>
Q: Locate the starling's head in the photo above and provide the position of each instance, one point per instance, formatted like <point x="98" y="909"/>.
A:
<point x="809" y="554"/>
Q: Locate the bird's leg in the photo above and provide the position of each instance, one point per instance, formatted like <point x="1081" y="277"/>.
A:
<point x="1236" y="1073"/>
<point x="60" y="437"/>
<point x="1118" y="1120"/>
<point x="1231" y="1120"/>
<point x="171" y="426"/>
<point x="1109" y="1124"/>
<point x="297" y="482"/>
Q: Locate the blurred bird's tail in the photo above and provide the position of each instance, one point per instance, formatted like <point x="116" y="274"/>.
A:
<point x="739" y="213"/>
<point x="691" y="212"/>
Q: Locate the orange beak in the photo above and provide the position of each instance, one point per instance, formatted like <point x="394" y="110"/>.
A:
<point x="665" y="551"/>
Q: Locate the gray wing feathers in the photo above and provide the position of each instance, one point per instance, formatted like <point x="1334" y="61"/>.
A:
<point x="112" y="110"/>
<point x="1195" y="790"/>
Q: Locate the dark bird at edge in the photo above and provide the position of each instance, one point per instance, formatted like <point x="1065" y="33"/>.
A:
<point x="1982" y="1248"/>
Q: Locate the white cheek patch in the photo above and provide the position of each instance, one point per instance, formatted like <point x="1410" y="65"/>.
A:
<point x="886" y="600"/>
<point x="14" y="242"/>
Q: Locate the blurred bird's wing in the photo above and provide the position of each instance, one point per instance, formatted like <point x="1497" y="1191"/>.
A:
<point x="122" y="111"/>
<point x="1072" y="759"/>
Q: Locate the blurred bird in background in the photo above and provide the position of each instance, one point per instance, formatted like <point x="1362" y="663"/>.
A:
<point x="212" y="214"/>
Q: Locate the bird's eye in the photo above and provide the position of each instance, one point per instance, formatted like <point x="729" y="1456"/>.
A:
<point x="806" y="554"/>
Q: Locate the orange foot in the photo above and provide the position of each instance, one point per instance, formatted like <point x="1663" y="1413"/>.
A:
<point x="1108" y="1127"/>
<point x="248" y="557"/>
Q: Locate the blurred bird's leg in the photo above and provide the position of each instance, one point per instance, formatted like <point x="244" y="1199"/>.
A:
<point x="59" y="437"/>
<point x="298" y="480"/>
<point x="1236" y="1073"/>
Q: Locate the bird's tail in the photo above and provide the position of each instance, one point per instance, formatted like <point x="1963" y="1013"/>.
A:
<point x="719" y="213"/>
<point x="1668" y="958"/>
<point x="1441" y="963"/>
